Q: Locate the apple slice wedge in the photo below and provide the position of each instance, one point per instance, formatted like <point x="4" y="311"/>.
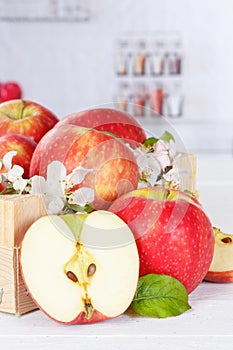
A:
<point x="80" y="268"/>
<point x="221" y="268"/>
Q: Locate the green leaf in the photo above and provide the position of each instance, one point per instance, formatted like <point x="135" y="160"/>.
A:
<point x="167" y="136"/>
<point x="150" y="141"/>
<point x="160" y="296"/>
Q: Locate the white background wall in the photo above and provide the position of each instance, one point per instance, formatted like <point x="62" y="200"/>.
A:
<point x="70" y="66"/>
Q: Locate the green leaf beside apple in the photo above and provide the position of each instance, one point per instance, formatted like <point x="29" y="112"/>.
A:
<point x="160" y="296"/>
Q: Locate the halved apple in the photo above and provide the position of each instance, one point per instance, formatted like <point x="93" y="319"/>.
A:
<point x="80" y="268"/>
<point x="221" y="268"/>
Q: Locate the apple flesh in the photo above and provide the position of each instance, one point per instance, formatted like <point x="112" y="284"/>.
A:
<point x="80" y="268"/>
<point x="24" y="148"/>
<point x="173" y="234"/>
<point x="114" y="121"/>
<point x="25" y="118"/>
<point x="221" y="268"/>
<point x="115" y="170"/>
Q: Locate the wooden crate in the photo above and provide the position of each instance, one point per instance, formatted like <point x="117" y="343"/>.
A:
<point x="187" y="165"/>
<point x="17" y="213"/>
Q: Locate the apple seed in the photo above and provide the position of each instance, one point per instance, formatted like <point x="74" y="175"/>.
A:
<point x="71" y="276"/>
<point x="226" y="240"/>
<point x="91" y="269"/>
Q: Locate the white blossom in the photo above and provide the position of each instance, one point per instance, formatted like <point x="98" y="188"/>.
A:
<point x="77" y="175"/>
<point x="57" y="185"/>
<point x="154" y="163"/>
<point x="20" y="184"/>
<point x="82" y="196"/>
<point x="15" y="173"/>
<point x="7" y="160"/>
<point x="7" y="163"/>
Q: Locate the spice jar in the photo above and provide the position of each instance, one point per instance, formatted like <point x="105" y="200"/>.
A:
<point x="157" y="59"/>
<point x="122" y="59"/>
<point x="156" y="98"/>
<point x="139" y="61"/>
<point x="174" y="59"/>
<point x="139" y="100"/>
<point x="122" y="98"/>
<point x="173" y="101"/>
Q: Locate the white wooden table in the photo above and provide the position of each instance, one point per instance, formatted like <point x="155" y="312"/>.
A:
<point x="208" y="325"/>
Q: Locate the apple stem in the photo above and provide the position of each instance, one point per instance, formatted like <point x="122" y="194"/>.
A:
<point x="21" y="108"/>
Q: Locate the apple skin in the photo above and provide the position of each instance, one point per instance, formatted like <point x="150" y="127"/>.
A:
<point x="174" y="236"/>
<point x="26" y="118"/>
<point x="23" y="145"/>
<point x="10" y="91"/>
<point x="80" y="319"/>
<point x="219" y="276"/>
<point x="114" y="121"/>
<point x="221" y="268"/>
<point x="115" y="170"/>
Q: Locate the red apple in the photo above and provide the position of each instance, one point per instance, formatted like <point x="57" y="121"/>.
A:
<point x="10" y="91"/>
<point x="114" y="121"/>
<point x="173" y="234"/>
<point x="221" y="268"/>
<point x="26" y="118"/>
<point x="24" y="148"/>
<point x="80" y="268"/>
<point x="114" y="167"/>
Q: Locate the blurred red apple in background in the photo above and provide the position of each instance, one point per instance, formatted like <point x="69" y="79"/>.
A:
<point x="114" y="121"/>
<point x="10" y="91"/>
<point x="26" y="118"/>
<point x="173" y="234"/>
<point x="24" y="148"/>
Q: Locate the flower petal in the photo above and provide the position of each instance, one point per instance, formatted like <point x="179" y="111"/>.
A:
<point x="20" y="184"/>
<point x="54" y="204"/>
<point x="82" y="196"/>
<point x="78" y="175"/>
<point x="55" y="171"/>
<point x="38" y="185"/>
<point x="15" y="173"/>
<point x="7" y="159"/>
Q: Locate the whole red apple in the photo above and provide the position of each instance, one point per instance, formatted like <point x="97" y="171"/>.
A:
<point x="10" y="91"/>
<point x="173" y="234"/>
<point x="24" y="148"/>
<point x="26" y="118"/>
<point x="114" y="121"/>
<point x="115" y="170"/>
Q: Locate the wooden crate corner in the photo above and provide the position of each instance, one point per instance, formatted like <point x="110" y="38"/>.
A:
<point x="17" y="213"/>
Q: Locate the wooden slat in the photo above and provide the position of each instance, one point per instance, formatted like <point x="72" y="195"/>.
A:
<point x="7" y="280"/>
<point x="186" y="164"/>
<point x="24" y="303"/>
<point x="17" y="213"/>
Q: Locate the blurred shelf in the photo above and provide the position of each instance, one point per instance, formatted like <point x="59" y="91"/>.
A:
<point x="44" y="11"/>
<point x="149" y="77"/>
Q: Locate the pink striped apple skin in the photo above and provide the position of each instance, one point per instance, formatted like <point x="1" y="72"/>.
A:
<point x="174" y="237"/>
<point x="115" y="170"/>
<point x="24" y="147"/>
<point x="27" y="118"/>
<point x="114" y="121"/>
